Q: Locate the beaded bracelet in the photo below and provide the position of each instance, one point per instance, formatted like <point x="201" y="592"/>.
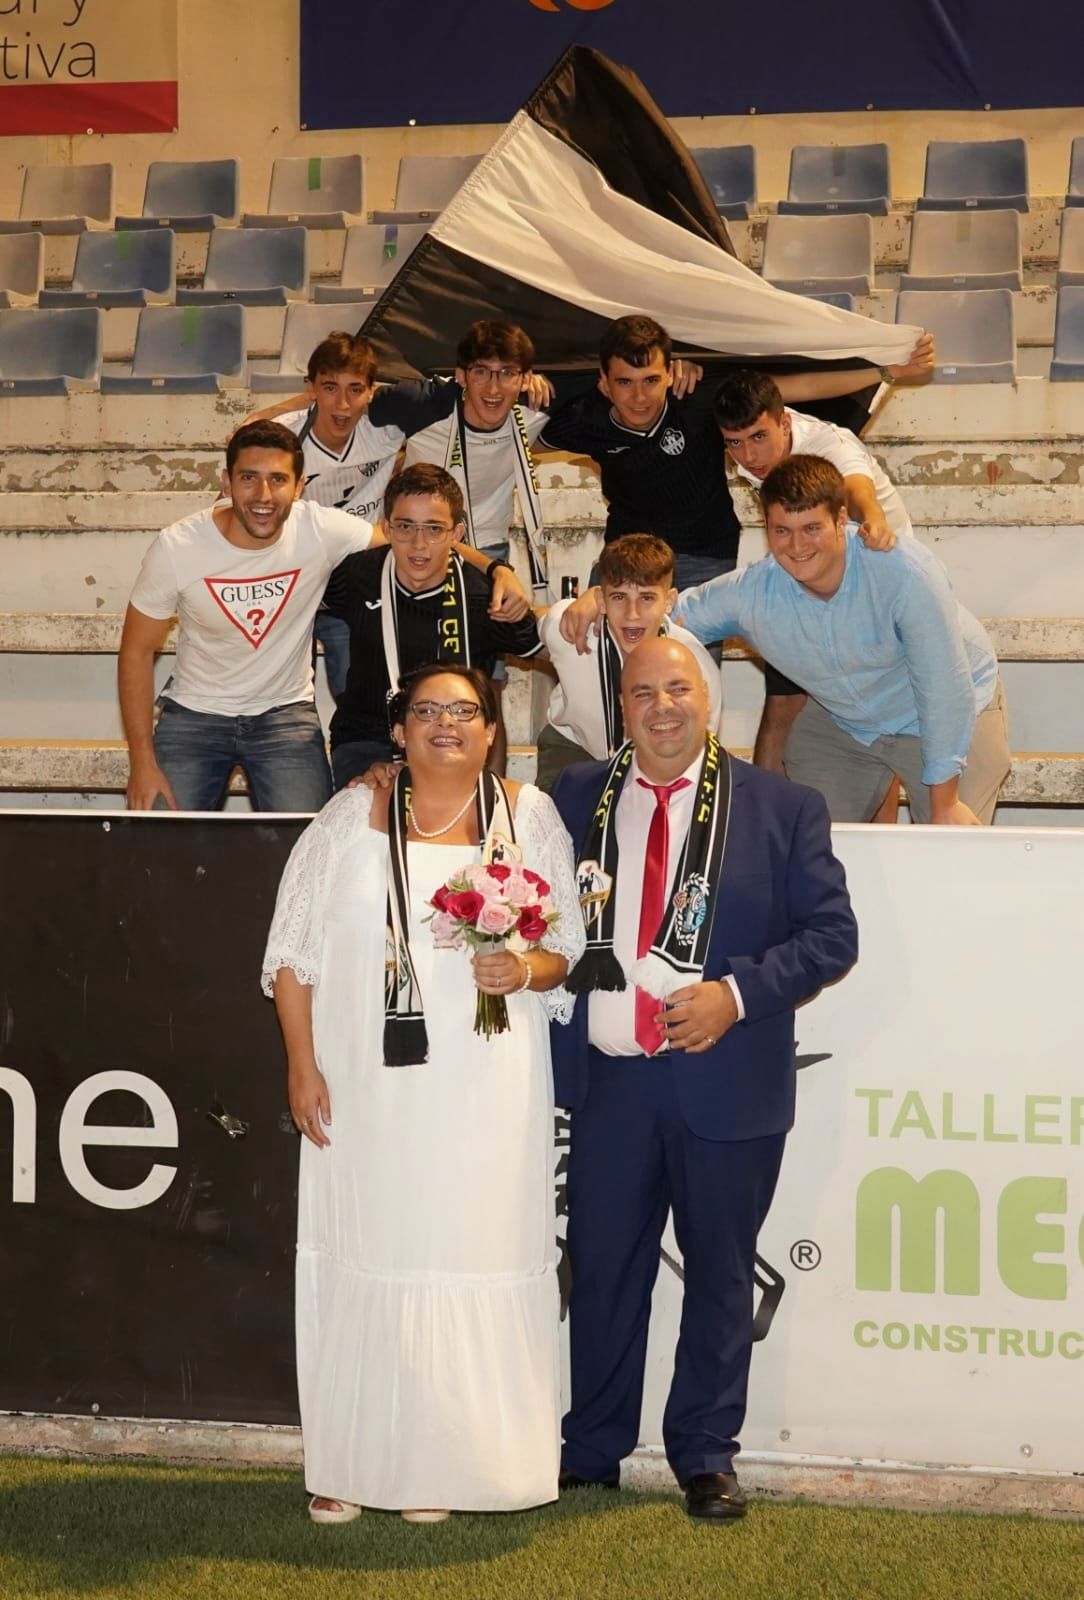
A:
<point x="526" y="980"/>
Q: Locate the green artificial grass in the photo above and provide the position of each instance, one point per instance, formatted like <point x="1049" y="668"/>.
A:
<point x="139" y="1532"/>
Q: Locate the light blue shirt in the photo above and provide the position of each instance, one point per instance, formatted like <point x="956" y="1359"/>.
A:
<point x="892" y="651"/>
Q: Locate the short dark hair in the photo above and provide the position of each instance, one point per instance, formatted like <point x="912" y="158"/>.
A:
<point x="743" y="396"/>
<point x="634" y="340"/>
<point x="411" y="682"/>
<point x="425" y="477"/>
<point x="265" y="436"/>
<point x="639" y="558"/>
<point x="342" y="352"/>
<point x="495" y="341"/>
<point x="801" y="483"/>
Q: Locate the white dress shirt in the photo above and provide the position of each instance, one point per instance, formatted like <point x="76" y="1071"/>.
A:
<point x="611" y="1014"/>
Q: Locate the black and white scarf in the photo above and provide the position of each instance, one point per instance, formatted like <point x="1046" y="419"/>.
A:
<point x="530" y="495"/>
<point x="680" y="946"/>
<point x="406" y="1043"/>
<point x="610" y="663"/>
<point x="453" y="626"/>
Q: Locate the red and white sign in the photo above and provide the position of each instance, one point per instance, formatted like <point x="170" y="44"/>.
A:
<point x="88" y="66"/>
<point x="254" y="605"/>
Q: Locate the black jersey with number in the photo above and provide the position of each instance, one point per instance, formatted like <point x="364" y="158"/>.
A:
<point x="670" y="481"/>
<point x="353" y="594"/>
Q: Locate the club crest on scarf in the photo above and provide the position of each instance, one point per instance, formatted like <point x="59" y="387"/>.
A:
<point x="594" y="887"/>
<point x="691" y="904"/>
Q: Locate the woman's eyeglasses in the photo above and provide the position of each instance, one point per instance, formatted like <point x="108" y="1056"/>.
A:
<point x="459" y="710"/>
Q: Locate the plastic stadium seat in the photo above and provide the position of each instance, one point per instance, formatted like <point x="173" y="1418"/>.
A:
<point x="1075" y="195"/>
<point x="311" y="192"/>
<point x="22" y="267"/>
<point x="187" y="196"/>
<point x="974" y="330"/>
<point x="425" y="185"/>
<point x="120" y="269"/>
<point x="373" y="255"/>
<point x="185" y="350"/>
<point x="975" y="174"/>
<point x="1071" y="254"/>
<point x="964" y="250"/>
<point x="258" y="266"/>
<point x="824" y="254"/>
<point x="730" y="173"/>
<point x="1067" y="365"/>
<point x="843" y="302"/>
<point x="64" y="199"/>
<point x="826" y="178"/>
<point x="50" y="352"/>
<point x="305" y="327"/>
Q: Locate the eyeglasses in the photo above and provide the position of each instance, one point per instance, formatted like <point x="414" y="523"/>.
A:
<point x="431" y="532"/>
<point x="481" y="372"/>
<point x="459" y="710"/>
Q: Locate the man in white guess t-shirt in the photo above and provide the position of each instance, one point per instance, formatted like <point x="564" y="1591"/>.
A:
<point x="245" y="580"/>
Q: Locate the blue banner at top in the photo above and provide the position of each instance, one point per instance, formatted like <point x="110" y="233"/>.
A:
<point x="388" y="63"/>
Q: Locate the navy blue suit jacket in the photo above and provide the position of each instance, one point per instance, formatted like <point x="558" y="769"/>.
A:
<point x="783" y="926"/>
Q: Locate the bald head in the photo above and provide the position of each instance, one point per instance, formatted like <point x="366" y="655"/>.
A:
<point x="666" y="706"/>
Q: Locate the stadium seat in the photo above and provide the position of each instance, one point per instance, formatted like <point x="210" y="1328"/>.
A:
<point x="843" y="302"/>
<point x="975" y="174"/>
<point x="64" y="199"/>
<point x="730" y="173"/>
<point x="305" y="327"/>
<point x="50" y="352"/>
<point x="311" y="192"/>
<point x="964" y="250"/>
<point x="826" y="178"/>
<point x="1071" y="253"/>
<point x="372" y="257"/>
<point x="187" y="196"/>
<point x="120" y="269"/>
<point x="185" y="350"/>
<point x="825" y="254"/>
<point x="1067" y="365"/>
<point x="1075" y="194"/>
<point x="974" y="331"/>
<point x="425" y="185"/>
<point x="22" y="267"/>
<point x="258" y="266"/>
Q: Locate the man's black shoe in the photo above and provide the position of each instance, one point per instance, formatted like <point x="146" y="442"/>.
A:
<point x="571" y="1480"/>
<point x="715" y="1497"/>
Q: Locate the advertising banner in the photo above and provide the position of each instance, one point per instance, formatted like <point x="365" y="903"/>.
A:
<point x="88" y="66"/>
<point x="929" y="1222"/>
<point x="390" y="63"/>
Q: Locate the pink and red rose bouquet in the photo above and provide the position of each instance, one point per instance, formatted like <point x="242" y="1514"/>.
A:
<point x="484" y="907"/>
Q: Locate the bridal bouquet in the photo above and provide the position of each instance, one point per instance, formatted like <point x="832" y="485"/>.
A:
<point x="484" y="907"/>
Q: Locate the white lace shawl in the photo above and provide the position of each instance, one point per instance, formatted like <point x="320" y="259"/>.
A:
<point x="296" y="936"/>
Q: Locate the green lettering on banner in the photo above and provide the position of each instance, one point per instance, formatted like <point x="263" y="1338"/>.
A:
<point x="1021" y="1237"/>
<point x="874" y="1096"/>
<point x="912" y="1114"/>
<point x="947" y="1129"/>
<point x="989" y="1132"/>
<point x="890" y="1192"/>
<point x="1033" y="1115"/>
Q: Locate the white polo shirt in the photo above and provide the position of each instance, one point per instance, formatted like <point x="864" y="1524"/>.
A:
<point x="245" y="616"/>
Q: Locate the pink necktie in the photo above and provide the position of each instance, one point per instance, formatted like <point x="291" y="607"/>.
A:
<point x="649" y="1035"/>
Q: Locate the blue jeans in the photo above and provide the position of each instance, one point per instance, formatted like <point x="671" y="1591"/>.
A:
<point x="354" y="757"/>
<point x="281" y="753"/>
<point x="334" y="635"/>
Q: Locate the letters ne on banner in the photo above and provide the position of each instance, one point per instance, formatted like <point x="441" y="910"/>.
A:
<point x="88" y="66"/>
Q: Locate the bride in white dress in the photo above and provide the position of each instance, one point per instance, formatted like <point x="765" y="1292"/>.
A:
<point x="427" y="1302"/>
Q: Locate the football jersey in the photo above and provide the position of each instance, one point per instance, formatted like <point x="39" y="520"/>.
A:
<point x="354" y="478"/>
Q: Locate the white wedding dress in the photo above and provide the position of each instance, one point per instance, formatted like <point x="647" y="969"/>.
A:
<point x="427" y="1304"/>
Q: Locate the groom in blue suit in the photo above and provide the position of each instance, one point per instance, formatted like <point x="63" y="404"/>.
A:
<point x="683" y="1105"/>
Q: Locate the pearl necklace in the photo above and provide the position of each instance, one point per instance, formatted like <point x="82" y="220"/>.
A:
<point x="448" y="826"/>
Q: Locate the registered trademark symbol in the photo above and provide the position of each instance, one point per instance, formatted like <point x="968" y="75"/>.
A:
<point x="805" y="1255"/>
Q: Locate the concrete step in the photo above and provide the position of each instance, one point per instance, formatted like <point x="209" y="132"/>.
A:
<point x="87" y="633"/>
<point x="98" y="766"/>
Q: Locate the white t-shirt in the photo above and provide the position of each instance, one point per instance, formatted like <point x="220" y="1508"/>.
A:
<point x="809" y="436"/>
<point x="490" y="468"/>
<point x="576" y="708"/>
<point x="354" y="480"/>
<point x="246" y="616"/>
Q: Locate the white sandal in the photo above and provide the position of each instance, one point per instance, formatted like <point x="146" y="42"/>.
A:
<point x="425" y="1516"/>
<point x="346" y="1511"/>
